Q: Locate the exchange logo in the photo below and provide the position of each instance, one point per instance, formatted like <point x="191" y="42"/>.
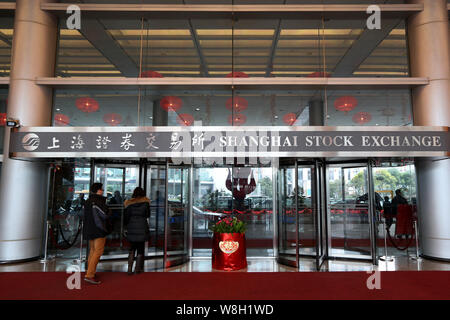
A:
<point x="30" y="142"/>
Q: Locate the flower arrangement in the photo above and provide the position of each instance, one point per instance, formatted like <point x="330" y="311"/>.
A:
<point x="229" y="225"/>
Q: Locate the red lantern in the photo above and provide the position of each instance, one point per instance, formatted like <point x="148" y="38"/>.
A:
<point x="2" y="119"/>
<point x="237" y="119"/>
<point x="150" y="74"/>
<point x="319" y="74"/>
<point x="362" y="117"/>
<point x="171" y="103"/>
<point x="61" y="119"/>
<point x="113" y="119"/>
<point x="237" y="103"/>
<point x="345" y="103"/>
<point x="87" y="104"/>
<point x="290" y="118"/>
<point x="237" y="74"/>
<point x="185" y="119"/>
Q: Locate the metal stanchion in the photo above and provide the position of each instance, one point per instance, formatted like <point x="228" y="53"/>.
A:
<point x="385" y="258"/>
<point x="417" y="257"/>
<point x="81" y="258"/>
<point x="46" y="258"/>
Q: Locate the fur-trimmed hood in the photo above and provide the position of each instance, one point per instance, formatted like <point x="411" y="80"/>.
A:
<point x="136" y="200"/>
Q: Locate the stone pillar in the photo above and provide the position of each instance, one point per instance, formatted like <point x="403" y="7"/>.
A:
<point x="23" y="191"/>
<point x="428" y="37"/>
<point x="316" y="113"/>
<point x="160" y="116"/>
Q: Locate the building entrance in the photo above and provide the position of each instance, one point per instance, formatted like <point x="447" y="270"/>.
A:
<point x="241" y="191"/>
<point x="351" y="212"/>
<point x="296" y="209"/>
<point x="301" y="218"/>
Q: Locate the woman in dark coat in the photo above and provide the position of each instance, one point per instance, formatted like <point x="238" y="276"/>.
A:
<point x="137" y="210"/>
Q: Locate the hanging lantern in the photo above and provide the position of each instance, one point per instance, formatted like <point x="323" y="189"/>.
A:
<point x="87" y="104"/>
<point x="237" y="74"/>
<point x="290" y="118"/>
<point x="2" y="119"/>
<point x="185" y="119"/>
<point x="113" y="119"/>
<point x="237" y="103"/>
<point x="61" y="119"/>
<point x="150" y="74"/>
<point x="362" y="117"/>
<point x="237" y="119"/>
<point x="319" y="74"/>
<point x="171" y="103"/>
<point x="345" y="103"/>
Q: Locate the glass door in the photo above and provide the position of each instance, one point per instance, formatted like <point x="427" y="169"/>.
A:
<point x="119" y="181"/>
<point x="321" y="213"/>
<point x="350" y="211"/>
<point x="178" y="200"/>
<point x="155" y="188"/>
<point x="288" y="237"/>
<point x="299" y="212"/>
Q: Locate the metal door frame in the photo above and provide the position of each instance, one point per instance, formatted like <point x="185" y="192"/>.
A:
<point x="94" y="163"/>
<point x="282" y="257"/>
<point x="185" y="257"/>
<point x="360" y="163"/>
<point x="318" y="185"/>
<point x="320" y="215"/>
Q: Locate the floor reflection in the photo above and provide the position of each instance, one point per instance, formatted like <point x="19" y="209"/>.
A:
<point x="203" y="264"/>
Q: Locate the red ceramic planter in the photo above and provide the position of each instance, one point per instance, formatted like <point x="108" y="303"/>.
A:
<point x="229" y="251"/>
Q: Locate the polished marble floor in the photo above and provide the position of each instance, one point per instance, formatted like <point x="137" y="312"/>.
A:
<point x="402" y="263"/>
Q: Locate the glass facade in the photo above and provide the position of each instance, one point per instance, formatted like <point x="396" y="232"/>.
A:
<point x="221" y="48"/>
<point x="215" y="107"/>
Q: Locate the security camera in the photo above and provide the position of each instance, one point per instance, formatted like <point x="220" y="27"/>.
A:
<point x="12" y="123"/>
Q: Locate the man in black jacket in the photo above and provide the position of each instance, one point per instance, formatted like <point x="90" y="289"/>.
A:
<point x="92" y="231"/>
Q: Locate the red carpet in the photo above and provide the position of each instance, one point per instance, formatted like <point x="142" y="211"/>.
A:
<point x="404" y="285"/>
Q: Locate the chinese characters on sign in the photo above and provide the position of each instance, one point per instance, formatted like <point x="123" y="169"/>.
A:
<point x="102" y="142"/>
<point x="126" y="142"/>
<point x="244" y="142"/>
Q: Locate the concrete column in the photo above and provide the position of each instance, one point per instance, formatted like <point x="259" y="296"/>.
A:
<point x="428" y="35"/>
<point x="23" y="192"/>
<point x="160" y="116"/>
<point x="316" y="113"/>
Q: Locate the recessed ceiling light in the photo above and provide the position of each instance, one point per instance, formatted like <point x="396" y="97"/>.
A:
<point x="276" y="117"/>
<point x="150" y="117"/>
<point x="58" y="109"/>
<point x="197" y="109"/>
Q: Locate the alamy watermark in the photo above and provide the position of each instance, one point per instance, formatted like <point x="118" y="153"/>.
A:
<point x="374" y="21"/>
<point x="74" y="280"/>
<point x="374" y="280"/>
<point x="73" y="22"/>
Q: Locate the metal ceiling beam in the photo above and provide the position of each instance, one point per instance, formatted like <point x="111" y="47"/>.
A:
<point x="176" y="11"/>
<point x="95" y="32"/>
<point x="203" y="66"/>
<point x="194" y="36"/>
<point x="7" y="6"/>
<point x="276" y="37"/>
<point x="255" y="83"/>
<point x="4" y="38"/>
<point x="362" y="48"/>
<point x="273" y="49"/>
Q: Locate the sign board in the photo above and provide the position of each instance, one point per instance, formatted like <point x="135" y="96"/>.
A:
<point x="148" y="142"/>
